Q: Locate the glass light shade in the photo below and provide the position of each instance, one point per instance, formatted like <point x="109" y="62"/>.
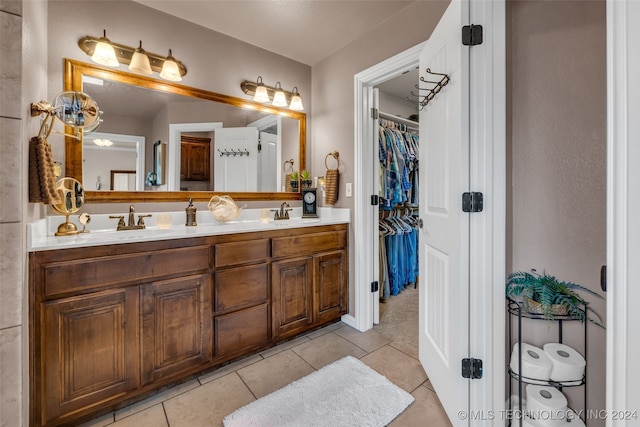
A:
<point x="170" y="70"/>
<point x="261" y="94"/>
<point x="104" y="54"/>
<point x="296" y="101"/>
<point x="140" y="62"/>
<point x="279" y="99"/>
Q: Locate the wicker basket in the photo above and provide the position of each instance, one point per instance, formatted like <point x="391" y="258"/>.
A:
<point x="536" y="308"/>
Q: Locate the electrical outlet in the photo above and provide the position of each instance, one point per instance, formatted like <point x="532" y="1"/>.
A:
<point x="348" y="189"/>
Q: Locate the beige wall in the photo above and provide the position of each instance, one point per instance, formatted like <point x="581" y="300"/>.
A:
<point x="558" y="146"/>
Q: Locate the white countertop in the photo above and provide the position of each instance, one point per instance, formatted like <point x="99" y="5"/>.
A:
<point x="102" y="229"/>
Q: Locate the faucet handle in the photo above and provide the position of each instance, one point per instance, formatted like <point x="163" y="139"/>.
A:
<point x="120" y="219"/>
<point x="141" y="219"/>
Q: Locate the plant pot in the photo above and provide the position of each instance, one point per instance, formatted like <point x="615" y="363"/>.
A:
<point x="536" y="308"/>
<point x="306" y="183"/>
<point x="294" y="186"/>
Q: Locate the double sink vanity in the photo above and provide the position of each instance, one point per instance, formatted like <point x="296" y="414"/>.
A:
<point x="117" y="315"/>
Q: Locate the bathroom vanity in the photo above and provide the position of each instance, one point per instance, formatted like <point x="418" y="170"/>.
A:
<point x="113" y="322"/>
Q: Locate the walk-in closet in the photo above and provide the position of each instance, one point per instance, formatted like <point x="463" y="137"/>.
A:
<point x="398" y="162"/>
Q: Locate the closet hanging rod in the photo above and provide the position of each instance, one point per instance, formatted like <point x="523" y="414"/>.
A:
<point x="397" y="119"/>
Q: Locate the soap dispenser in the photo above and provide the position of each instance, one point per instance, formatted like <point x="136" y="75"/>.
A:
<point x="191" y="214"/>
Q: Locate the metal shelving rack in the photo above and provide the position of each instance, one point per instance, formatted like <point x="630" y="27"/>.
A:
<point x="515" y="309"/>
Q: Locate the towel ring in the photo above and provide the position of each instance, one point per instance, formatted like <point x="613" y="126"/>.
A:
<point x="284" y="166"/>
<point x="335" y="155"/>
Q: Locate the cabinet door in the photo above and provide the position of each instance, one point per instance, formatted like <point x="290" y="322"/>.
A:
<point x="330" y="285"/>
<point x="90" y="350"/>
<point x="292" y="296"/>
<point x="199" y="162"/>
<point x="176" y="326"/>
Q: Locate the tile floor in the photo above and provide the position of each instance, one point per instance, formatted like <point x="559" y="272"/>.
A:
<point x="205" y="401"/>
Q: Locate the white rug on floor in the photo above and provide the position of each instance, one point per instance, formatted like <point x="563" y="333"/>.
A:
<point x="345" y="393"/>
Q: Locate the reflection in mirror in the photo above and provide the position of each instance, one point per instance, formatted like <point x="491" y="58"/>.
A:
<point x="72" y="196"/>
<point x="209" y="142"/>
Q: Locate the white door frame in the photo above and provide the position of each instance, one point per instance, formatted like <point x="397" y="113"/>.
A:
<point x="623" y="202"/>
<point x="488" y="175"/>
<point x="365" y="214"/>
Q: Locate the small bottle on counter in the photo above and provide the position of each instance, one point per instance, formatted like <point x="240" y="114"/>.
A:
<point x="191" y="214"/>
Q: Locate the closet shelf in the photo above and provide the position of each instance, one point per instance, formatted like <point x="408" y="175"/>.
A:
<point x="398" y="119"/>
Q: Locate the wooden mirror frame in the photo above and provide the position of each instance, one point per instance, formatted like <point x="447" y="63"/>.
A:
<point x="73" y="72"/>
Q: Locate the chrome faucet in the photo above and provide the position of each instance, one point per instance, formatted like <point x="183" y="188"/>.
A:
<point x="282" y="213"/>
<point x="132" y="225"/>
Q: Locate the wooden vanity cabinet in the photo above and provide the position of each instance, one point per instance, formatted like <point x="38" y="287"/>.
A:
<point x="308" y="290"/>
<point x="110" y="324"/>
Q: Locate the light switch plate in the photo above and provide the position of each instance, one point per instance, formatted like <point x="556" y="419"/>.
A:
<point x="348" y="189"/>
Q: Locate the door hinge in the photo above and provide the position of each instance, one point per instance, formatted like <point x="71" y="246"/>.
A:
<point x="259" y="147"/>
<point x="375" y="200"/>
<point x="472" y="202"/>
<point x="374" y="113"/>
<point x="472" y="35"/>
<point x="472" y="368"/>
<point x="374" y="287"/>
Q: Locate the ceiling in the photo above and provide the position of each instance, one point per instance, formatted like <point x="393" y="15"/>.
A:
<point x="307" y="31"/>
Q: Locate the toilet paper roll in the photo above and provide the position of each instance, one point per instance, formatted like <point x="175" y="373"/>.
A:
<point x="567" y="364"/>
<point x="536" y="365"/>
<point x="547" y="405"/>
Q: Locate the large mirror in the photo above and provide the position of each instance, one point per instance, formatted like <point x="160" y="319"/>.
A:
<point x="161" y="141"/>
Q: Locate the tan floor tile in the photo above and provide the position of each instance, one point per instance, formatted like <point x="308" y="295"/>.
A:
<point x="405" y="348"/>
<point x="206" y="406"/>
<point x="368" y="341"/>
<point x="428" y="385"/>
<point x="426" y="410"/>
<point x="155" y="399"/>
<point x="326" y="349"/>
<point x="325" y="330"/>
<point x="402" y="370"/>
<point x="274" y="372"/>
<point x="232" y="367"/>
<point x="284" y="346"/>
<point x="150" y="417"/>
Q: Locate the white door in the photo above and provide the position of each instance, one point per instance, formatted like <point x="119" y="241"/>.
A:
<point x="268" y="162"/>
<point x="234" y="169"/>
<point x="444" y="238"/>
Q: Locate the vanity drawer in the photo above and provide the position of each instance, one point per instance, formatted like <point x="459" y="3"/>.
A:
<point x="241" y="330"/>
<point x="241" y="287"/>
<point x="99" y="272"/>
<point x="246" y="252"/>
<point x="308" y="243"/>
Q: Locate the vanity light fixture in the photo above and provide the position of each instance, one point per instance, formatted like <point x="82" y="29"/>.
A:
<point x="278" y="96"/>
<point x="170" y="70"/>
<point x="279" y="100"/>
<point x="140" y="62"/>
<point x="168" y="67"/>
<point x="296" y="100"/>
<point x="261" y="94"/>
<point x="104" y="54"/>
